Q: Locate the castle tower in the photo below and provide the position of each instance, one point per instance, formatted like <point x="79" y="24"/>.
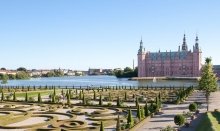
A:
<point x="184" y="45"/>
<point x="141" y="60"/>
<point x="197" y="58"/>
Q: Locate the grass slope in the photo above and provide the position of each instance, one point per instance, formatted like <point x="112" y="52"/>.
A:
<point x="210" y="122"/>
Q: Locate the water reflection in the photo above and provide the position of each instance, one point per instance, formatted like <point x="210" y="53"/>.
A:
<point x="99" y="81"/>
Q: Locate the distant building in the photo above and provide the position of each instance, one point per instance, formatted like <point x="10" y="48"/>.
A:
<point x="95" y="71"/>
<point x="70" y="73"/>
<point x="8" y="72"/>
<point x="181" y="63"/>
<point x="216" y="69"/>
<point x="99" y="71"/>
<point x="44" y="72"/>
<point x="35" y="73"/>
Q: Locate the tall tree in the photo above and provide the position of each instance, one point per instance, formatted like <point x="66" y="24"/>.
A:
<point x="14" y="97"/>
<point x="53" y="98"/>
<point x="118" y="126"/>
<point x="39" y="98"/>
<point x="3" y="97"/>
<point x="101" y="126"/>
<point x="80" y="95"/>
<point x="146" y="111"/>
<point x="68" y="98"/>
<point x="118" y="101"/>
<point x="130" y="120"/>
<point x="138" y="112"/>
<point x="142" y="112"/>
<point x="100" y="100"/>
<point x="84" y="99"/>
<point x="125" y="95"/>
<point x="208" y="81"/>
<point x="94" y="95"/>
<point x="136" y="102"/>
<point x="26" y="97"/>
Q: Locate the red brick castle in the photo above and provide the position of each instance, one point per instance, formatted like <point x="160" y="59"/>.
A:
<point x="181" y="63"/>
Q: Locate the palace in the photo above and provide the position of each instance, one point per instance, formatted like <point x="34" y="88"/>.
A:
<point x="181" y="63"/>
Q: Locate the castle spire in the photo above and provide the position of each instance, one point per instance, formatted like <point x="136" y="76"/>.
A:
<point x="184" y="45"/>
<point x="197" y="42"/>
<point x="141" y="49"/>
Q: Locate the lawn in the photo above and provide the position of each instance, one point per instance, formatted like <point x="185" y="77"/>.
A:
<point x="210" y="122"/>
<point x="35" y="93"/>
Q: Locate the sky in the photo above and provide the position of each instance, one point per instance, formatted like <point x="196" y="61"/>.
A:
<point x="82" y="34"/>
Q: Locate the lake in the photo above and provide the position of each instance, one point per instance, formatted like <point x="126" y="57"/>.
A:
<point x="98" y="81"/>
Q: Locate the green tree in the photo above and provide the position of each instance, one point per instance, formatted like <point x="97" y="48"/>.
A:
<point x="179" y="120"/>
<point x="53" y="98"/>
<point x="142" y="112"/>
<point x="68" y="98"/>
<point x="11" y="76"/>
<point x="94" y="95"/>
<point x="3" y="68"/>
<point x="39" y="98"/>
<point x="158" y="102"/>
<point x="4" y="79"/>
<point x="208" y="81"/>
<point x="22" y="75"/>
<point x="101" y="126"/>
<point x="54" y="91"/>
<point x="26" y="97"/>
<point x="14" y="97"/>
<point x="118" y="102"/>
<point x="118" y="126"/>
<point x="3" y="97"/>
<point x="138" y="112"/>
<point x="193" y="107"/>
<point x="125" y="95"/>
<point x="109" y="96"/>
<point x="130" y="120"/>
<point x="127" y="69"/>
<point x="80" y="95"/>
<point x="100" y="100"/>
<point x="146" y="111"/>
<point x="22" y="69"/>
<point x="136" y="102"/>
<point x="84" y="99"/>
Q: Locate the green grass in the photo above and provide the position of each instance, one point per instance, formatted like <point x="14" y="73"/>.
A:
<point x="210" y="122"/>
<point x="35" y="93"/>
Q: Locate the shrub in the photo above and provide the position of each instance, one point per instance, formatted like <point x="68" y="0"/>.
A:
<point x="8" y="97"/>
<point x="193" y="107"/>
<point x="31" y="99"/>
<point x="179" y="120"/>
<point x="169" y="128"/>
<point x="109" y="104"/>
<point x="153" y="108"/>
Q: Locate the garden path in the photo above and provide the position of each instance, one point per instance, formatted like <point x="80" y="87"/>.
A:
<point x="168" y="112"/>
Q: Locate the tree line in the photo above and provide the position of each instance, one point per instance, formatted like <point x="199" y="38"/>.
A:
<point x="126" y="73"/>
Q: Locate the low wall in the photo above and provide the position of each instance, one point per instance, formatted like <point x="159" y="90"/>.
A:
<point x="165" y="78"/>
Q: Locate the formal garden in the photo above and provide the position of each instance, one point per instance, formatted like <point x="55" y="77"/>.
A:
<point x="49" y="107"/>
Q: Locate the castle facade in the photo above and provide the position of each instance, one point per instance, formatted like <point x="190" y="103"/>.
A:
<point x="181" y="63"/>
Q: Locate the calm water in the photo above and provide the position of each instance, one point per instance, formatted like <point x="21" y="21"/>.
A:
<point x="96" y="81"/>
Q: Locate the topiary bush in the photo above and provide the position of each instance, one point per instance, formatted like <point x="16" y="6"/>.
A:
<point x="169" y="128"/>
<point x="193" y="107"/>
<point x="179" y="120"/>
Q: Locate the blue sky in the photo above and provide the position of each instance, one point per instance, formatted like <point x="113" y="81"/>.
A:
<point x="79" y="34"/>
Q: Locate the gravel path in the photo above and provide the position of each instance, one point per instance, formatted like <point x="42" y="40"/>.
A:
<point x="168" y="112"/>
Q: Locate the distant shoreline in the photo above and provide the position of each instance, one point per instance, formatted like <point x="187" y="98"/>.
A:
<point x="165" y="78"/>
